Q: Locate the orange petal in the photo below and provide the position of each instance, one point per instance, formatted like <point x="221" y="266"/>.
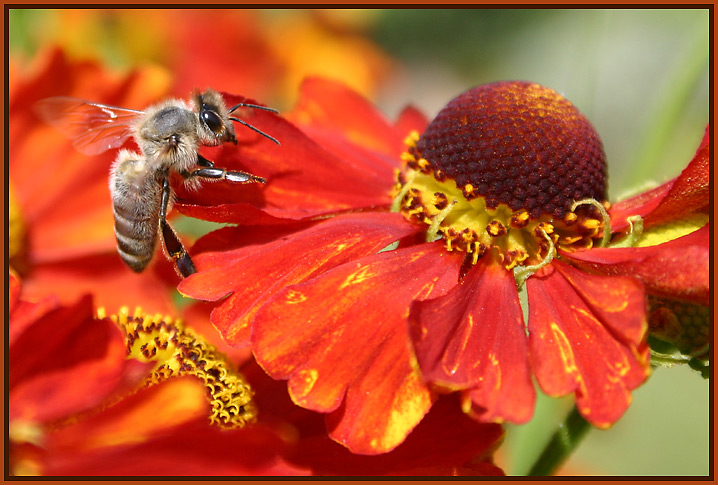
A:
<point x="443" y="443"/>
<point x="587" y="335"/>
<point x="474" y="338"/>
<point x="342" y="341"/>
<point x="174" y="402"/>
<point x="676" y="269"/>
<point x="254" y="274"/>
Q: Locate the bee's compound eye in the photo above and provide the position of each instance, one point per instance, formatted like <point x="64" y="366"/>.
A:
<point x="211" y="119"/>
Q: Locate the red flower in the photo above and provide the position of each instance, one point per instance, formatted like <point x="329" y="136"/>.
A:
<point x="75" y="408"/>
<point x="369" y="333"/>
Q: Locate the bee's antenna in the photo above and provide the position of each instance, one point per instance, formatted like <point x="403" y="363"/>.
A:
<point x="255" y="129"/>
<point x="256" y="106"/>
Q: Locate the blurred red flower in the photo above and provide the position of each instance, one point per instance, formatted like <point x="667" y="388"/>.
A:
<point x="262" y="54"/>
<point x="368" y="336"/>
<point x="63" y="211"/>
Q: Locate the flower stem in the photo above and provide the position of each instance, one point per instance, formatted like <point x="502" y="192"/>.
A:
<point x="562" y="443"/>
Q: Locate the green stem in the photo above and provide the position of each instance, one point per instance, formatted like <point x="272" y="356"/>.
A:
<point x="562" y="443"/>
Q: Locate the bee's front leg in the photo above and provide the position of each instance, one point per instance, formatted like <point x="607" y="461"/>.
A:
<point x="209" y="171"/>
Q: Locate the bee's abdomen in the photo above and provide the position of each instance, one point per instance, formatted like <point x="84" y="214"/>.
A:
<point x="135" y="241"/>
<point x="136" y="197"/>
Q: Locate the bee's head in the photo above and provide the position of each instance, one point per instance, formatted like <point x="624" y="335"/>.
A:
<point x="214" y="127"/>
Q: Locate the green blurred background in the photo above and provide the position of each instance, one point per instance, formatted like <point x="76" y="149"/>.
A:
<point x="641" y="77"/>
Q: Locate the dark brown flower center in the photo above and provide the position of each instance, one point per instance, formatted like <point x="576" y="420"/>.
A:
<point x="510" y="166"/>
<point x="516" y="143"/>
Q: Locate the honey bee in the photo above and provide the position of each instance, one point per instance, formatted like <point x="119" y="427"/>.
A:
<point x="169" y="135"/>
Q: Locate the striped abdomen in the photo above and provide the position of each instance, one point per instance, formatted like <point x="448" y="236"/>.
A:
<point x="136" y="198"/>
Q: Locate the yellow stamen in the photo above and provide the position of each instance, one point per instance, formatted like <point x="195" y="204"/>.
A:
<point x="461" y="217"/>
<point x="469" y="190"/>
<point x="570" y="218"/>
<point x="179" y="351"/>
<point x="496" y="229"/>
<point x="396" y="203"/>
<point x="407" y="157"/>
<point x="412" y="138"/>
<point x="519" y="219"/>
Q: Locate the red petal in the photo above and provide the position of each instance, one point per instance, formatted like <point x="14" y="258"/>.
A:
<point x="254" y="274"/>
<point x="342" y="341"/>
<point x="22" y="314"/>
<point x="443" y="443"/>
<point x="685" y="194"/>
<point x="67" y="362"/>
<point x="676" y="269"/>
<point x="26" y="313"/>
<point x="334" y="110"/>
<point x="102" y="275"/>
<point x="474" y="338"/>
<point x="303" y="177"/>
<point x="639" y="205"/>
<point x="587" y="335"/>
<point x="411" y="119"/>
<point x="14" y="287"/>
<point x="241" y="213"/>
<point x="132" y="439"/>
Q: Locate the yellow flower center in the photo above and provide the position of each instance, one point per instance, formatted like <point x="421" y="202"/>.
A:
<point x="179" y="351"/>
<point x="465" y="222"/>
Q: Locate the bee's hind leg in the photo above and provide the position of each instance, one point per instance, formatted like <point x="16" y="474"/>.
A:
<point x="174" y="247"/>
<point x="209" y="171"/>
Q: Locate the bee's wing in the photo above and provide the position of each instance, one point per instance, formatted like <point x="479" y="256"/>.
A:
<point x="92" y="127"/>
